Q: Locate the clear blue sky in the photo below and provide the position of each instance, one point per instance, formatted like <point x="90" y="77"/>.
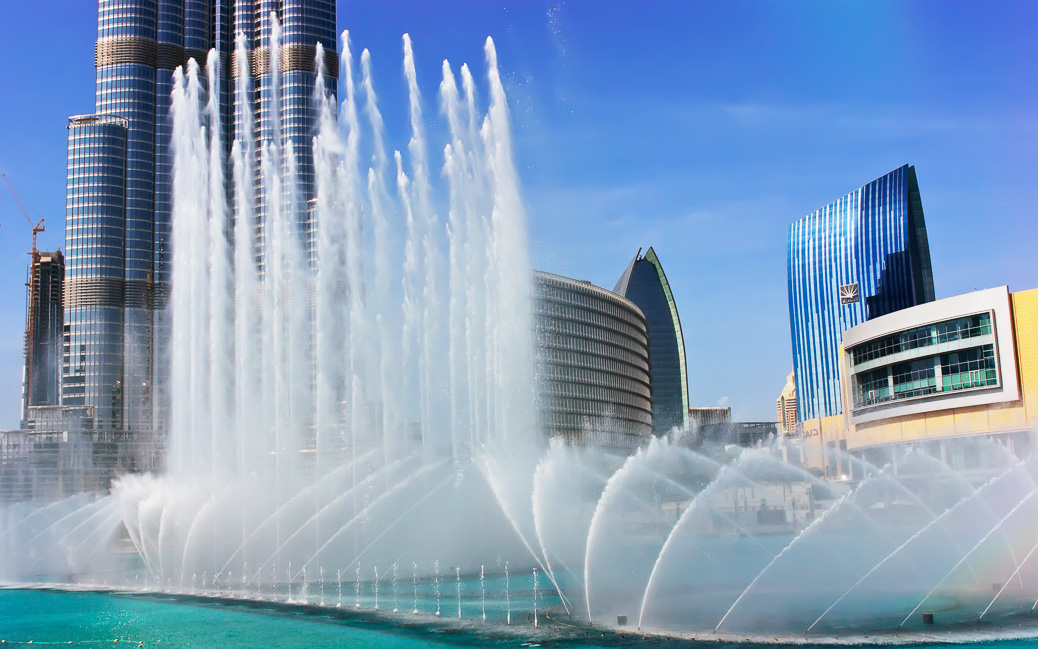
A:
<point x="700" y="128"/>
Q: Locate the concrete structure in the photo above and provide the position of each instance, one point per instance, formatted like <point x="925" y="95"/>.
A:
<point x="942" y="374"/>
<point x="44" y="316"/>
<point x="593" y="361"/>
<point x="786" y="407"/>
<point x="63" y="456"/>
<point x="120" y="185"/>
<point x="709" y="415"/>
<point x="860" y="257"/>
<point x="714" y="425"/>
<point x="645" y="284"/>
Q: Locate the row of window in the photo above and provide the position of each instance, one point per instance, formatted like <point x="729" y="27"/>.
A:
<point x="601" y="431"/>
<point x="631" y="354"/>
<point x="584" y="407"/>
<point x="570" y="330"/>
<point x="595" y="377"/>
<point x="581" y="303"/>
<point x="550" y="310"/>
<point x="554" y="290"/>
<point x="598" y="394"/>
<point x="961" y="370"/>
<point x="935" y="334"/>
<point x="612" y="365"/>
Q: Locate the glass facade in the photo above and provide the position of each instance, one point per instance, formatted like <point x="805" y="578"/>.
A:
<point x="858" y="258"/>
<point x="958" y="329"/>
<point x="593" y="363"/>
<point x="645" y="284"/>
<point x="934" y="359"/>
<point x="95" y="231"/>
<point x="120" y="184"/>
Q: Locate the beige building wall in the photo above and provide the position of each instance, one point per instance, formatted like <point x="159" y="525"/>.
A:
<point x="1007" y="417"/>
<point x="818" y="435"/>
<point x="1025" y="319"/>
<point x="996" y="418"/>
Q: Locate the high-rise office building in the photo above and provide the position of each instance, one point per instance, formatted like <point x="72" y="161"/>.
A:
<point x="645" y="284"/>
<point x="119" y="191"/>
<point x="858" y="258"/>
<point x="43" y="322"/>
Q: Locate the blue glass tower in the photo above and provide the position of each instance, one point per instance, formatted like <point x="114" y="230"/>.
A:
<point x="119" y="208"/>
<point x="860" y="257"/>
<point x="645" y="284"/>
<point x="95" y="267"/>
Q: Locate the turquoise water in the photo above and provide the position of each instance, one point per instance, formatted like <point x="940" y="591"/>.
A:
<point x="50" y="618"/>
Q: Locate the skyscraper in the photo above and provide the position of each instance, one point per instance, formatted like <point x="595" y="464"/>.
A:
<point x="119" y="188"/>
<point x="43" y="323"/>
<point x="645" y="284"/>
<point x="860" y="257"/>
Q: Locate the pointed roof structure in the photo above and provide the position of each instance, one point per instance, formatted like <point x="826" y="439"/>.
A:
<point x="644" y="283"/>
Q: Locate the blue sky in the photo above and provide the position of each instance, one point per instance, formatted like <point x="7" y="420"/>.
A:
<point x="700" y="128"/>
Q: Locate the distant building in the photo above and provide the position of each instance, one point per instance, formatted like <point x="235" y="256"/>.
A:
<point x="708" y="415"/>
<point x="593" y="357"/>
<point x="786" y="407"/>
<point x="943" y="374"/>
<point x="722" y="430"/>
<point x="715" y="425"/>
<point x="645" y="284"/>
<point x="860" y="257"/>
<point x="44" y="317"/>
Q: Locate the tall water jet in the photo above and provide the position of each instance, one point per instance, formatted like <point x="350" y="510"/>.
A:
<point x="258" y="328"/>
<point x="353" y="387"/>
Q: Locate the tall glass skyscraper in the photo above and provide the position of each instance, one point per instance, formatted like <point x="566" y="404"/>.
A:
<point x="645" y="284"/>
<point x="860" y="257"/>
<point x="119" y="187"/>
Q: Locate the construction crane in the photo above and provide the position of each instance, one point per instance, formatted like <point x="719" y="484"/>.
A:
<point x="36" y="229"/>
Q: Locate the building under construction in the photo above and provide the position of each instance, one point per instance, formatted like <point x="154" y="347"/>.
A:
<point x="44" y="318"/>
<point x="59" y="449"/>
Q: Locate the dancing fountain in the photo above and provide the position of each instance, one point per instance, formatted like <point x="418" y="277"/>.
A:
<point x="353" y="397"/>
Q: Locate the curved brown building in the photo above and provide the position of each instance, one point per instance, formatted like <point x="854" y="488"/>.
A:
<point x="593" y="361"/>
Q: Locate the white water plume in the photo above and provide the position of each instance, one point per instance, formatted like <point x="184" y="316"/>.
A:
<point x="290" y="365"/>
<point x="352" y="387"/>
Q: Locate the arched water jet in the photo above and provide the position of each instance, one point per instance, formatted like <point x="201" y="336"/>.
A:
<point x="624" y="489"/>
<point x="59" y="545"/>
<point x="85" y="511"/>
<point x="566" y="485"/>
<point x="97" y="546"/>
<point x="349" y="493"/>
<point x="44" y="514"/>
<point x="737" y="563"/>
<point x="207" y="507"/>
<point x="855" y="520"/>
<point x="1005" y="585"/>
<point x="806" y="530"/>
<point x="419" y="502"/>
<point x="295" y="500"/>
<point x="967" y="555"/>
<point x="959" y="510"/>
<point x="358" y="516"/>
<point x="682" y="520"/>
